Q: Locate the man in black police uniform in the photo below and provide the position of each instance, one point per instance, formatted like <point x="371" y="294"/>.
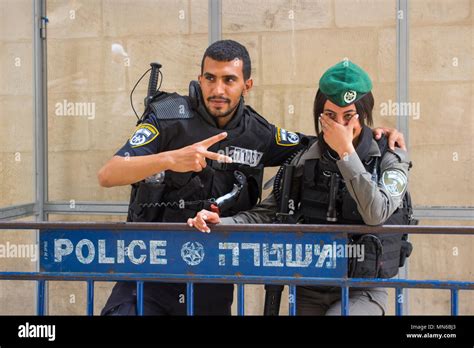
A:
<point x="200" y="143"/>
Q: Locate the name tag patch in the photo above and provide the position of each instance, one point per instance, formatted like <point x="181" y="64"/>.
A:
<point x="244" y="156"/>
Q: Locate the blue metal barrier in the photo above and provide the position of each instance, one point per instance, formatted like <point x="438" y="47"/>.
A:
<point x="239" y="254"/>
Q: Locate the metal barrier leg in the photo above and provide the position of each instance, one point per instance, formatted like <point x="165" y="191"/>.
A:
<point x="241" y="299"/>
<point x="344" y="300"/>
<point x="190" y="298"/>
<point x="139" y="297"/>
<point x="454" y="301"/>
<point x="90" y="297"/>
<point x="40" y="297"/>
<point x="292" y="300"/>
<point x="399" y="301"/>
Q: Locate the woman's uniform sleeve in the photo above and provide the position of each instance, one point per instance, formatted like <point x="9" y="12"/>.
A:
<point x="263" y="213"/>
<point x="376" y="201"/>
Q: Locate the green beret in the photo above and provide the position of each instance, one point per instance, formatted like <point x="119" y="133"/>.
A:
<point x="345" y="83"/>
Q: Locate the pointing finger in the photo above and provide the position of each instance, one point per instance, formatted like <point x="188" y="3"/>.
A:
<point x="213" y="140"/>
<point x="217" y="157"/>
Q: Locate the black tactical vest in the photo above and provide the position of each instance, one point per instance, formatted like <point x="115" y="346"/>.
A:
<point x="324" y="199"/>
<point x="182" y="195"/>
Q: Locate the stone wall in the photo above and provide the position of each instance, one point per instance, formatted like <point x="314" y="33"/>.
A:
<point x="97" y="49"/>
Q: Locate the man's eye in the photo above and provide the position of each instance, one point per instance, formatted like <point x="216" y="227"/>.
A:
<point x="209" y="78"/>
<point x="230" y="79"/>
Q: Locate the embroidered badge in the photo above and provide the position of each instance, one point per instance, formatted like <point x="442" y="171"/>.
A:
<point x="350" y="96"/>
<point x="144" y="134"/>
<point x="286" y="138"/>
<point x="395" y="182"/>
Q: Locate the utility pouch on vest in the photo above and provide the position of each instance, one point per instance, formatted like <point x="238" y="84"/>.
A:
<point x="187" y="192"/>
<point x="314" y="206"/>
<point x="145" y="204"/>
<point x="181" y="209"/>
<point x="390" y="260"/>
<point x="370" y="248"/>
<point x="381" y="256"/>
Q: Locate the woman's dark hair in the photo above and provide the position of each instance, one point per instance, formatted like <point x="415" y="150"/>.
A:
<point x="226" y="51"/>
<point x="364" y="107"/>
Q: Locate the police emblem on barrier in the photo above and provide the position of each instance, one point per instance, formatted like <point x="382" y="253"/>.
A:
<point x="350" y="96"/>
<point x="395" y="182"/>
<point x="192" y="253"/>
<point x="144" y="134"/>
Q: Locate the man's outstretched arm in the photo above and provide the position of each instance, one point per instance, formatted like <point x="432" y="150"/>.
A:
<point x="127" y="170"/>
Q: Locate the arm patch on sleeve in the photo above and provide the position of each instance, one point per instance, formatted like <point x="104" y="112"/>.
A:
<point x="395" y="182"/>
<point x="286" y="138"/>
<point x="144" y="134"/>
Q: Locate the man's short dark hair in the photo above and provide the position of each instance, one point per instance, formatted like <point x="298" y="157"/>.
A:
<point x="226" y="51"/>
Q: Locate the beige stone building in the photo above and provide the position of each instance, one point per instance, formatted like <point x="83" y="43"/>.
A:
<point x="97" y="49"/>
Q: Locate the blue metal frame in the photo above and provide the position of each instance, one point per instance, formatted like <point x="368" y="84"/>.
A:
<point x="344" y="283"/>
<point x="90" y="297"/>
<point x="399" y="301"/>
<point x="292" y="300"/>
<point x="454" y="302"/>
<point x="243" y="267"/>
<point x="40" y="290"/>
<point x="190" y="298"/>
<point x="241" y="299"/>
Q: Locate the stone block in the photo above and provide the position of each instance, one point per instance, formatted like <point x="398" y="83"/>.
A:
<point x="439" y="12"/>
<point x="17" y="172"/>
<point x="275" y="15"/>
<point x="123" y="18"/>
<point x="73" y="177"/>
<point x="86" y="66"/>
<point x="440" y="53"/>
<point x="445" y="116"/>
<point x="16" y="123"/>
<point x="438" y="179"/>
<point x="301" y="58"/>
<point x="365" y="13"/>
<point x="180" y="56"/>
<point x="16" y="20"/>
<point x="16" y="70"/>
<point x="74" y="19"/>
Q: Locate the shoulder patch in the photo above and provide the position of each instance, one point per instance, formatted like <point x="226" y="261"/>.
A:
<point x="286" y="138"/>
<point x="144" y="134"/>
<point x="395" y="182"/>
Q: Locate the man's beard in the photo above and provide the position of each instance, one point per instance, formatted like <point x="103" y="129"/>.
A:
<point x="225" y="114"/>
<point x="219" y="114"/>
